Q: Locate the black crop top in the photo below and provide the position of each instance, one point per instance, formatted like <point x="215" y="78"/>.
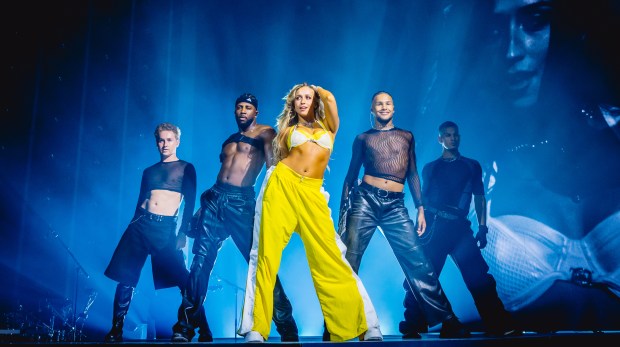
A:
<point x="388" y="154"/>
<point x="177" y="176"/>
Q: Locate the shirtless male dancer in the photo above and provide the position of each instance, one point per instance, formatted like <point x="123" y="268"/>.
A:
<point x="227" y="210"/>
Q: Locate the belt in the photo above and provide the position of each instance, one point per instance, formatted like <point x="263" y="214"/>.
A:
<point x="157" y="217"/>
<point x="442" y="214"/>
<point x="382" y="193"/>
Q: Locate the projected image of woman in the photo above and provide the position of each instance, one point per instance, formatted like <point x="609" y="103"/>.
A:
<point x="554" y="198"/>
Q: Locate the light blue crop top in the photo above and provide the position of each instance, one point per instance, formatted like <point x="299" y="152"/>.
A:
<point x="322" y="137"/>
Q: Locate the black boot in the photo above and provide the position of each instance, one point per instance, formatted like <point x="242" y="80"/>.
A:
<point x="204" y="332"/>
<point x="452" y="328"/>
<point x="283" y="315"/>
<point x="326" y="335"/>
<point x="182" y="332"/>
<point x="411" y="330"/>
<point x="122" y="299"/>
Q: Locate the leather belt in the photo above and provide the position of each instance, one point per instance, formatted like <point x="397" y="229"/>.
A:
<point x="382" y="193"/>
<point x="157" y="217"/>
<point x="442" y="214"/>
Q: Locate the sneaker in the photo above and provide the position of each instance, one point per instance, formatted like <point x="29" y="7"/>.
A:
<point x="452" y="328"/>
<point x="253" y="337"/>
<point x="372" y="334"/>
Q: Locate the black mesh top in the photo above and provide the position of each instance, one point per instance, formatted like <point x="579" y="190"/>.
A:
<point x="177" y="176"/>
<point x="388" y="154"/>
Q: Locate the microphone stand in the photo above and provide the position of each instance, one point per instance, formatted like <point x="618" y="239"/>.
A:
<point x="78" y="269"/>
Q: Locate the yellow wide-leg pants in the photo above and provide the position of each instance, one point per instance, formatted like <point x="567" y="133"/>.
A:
<point x="290" y="202"/>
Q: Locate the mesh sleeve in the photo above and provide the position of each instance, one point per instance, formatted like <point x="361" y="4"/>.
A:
<point x="354" y="169"/>
<point x="189" y="196"/>
<point x="413" y="179"/>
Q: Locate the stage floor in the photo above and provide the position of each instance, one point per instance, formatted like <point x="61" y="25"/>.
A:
<point x="564" y="338"/>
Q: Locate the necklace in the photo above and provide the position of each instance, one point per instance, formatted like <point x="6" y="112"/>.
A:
<point x="449" y="160"/>
<point x="307" y="124"/>
<point x="383" y="128"/>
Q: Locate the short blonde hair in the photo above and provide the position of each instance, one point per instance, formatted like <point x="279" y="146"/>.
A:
<point x="167" y="126"/>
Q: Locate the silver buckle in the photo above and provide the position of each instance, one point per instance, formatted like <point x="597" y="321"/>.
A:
<point x="155" y="217"/>
<point x="380" y="191"/>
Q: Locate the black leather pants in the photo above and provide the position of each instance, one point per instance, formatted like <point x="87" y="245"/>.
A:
<point x="454" y="237"/>
<point x="227" y="211"/>
<point x="372" y="208"/>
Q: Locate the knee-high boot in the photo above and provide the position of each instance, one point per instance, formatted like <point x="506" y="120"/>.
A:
<point x="122" y="299"/>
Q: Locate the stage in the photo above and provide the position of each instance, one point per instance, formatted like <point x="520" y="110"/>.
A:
<point x="563" y="338"/>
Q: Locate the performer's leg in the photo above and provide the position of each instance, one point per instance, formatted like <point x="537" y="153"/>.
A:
<point x="125" y="267"/>
<point x="241" y="223"/>
<point x="347" y="310"/>
<point x="207" y="244"/>
<point x="419" y="271"/>
<point x="360" y="226"/>
<point x="480" y="282"/>
<point x="122" y="299"/>
<point x="274" y="223"/>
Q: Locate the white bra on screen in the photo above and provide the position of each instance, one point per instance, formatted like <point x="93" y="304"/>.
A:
<point x="526" y="256"/>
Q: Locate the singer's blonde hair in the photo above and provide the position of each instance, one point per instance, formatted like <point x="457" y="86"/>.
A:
<point x="288" y="117"/>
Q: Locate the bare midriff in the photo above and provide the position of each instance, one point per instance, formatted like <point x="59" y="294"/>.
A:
<point x="309" y="160"/>
<point x="383" y="183"/>
<point x="163" y="202"/>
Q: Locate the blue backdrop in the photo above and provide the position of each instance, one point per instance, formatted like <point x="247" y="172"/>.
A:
<point x="84" y="83"/>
